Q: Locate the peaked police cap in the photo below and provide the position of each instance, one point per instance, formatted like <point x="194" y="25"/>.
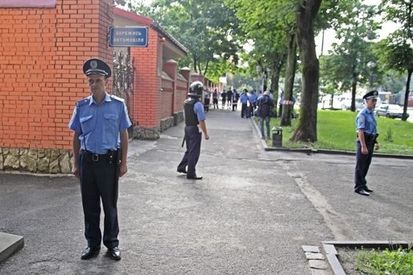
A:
<point x="96" y="66"/>
<point x="372" y="94"/>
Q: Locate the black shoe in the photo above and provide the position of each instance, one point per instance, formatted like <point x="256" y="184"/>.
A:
<point x="90" y="252"/>
<point x="368" y="190"/>
<point x="114" y="253"/>
<point x="362" y="192"/>
<point x="193" y="177"/>
<point x="181" y="170"/>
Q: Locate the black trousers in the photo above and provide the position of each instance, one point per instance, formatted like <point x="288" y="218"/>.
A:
<point x="363" y="163"/>
<point x="193" y="149"/>
<point x="244" y="110"/>
<point x="99" y="181"/>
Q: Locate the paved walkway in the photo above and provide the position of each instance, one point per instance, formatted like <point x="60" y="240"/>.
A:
<point x="250" y="214"/>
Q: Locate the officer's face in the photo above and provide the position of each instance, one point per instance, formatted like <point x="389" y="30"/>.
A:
<point x="96" y="83"/>
<point x="371" y="103"/>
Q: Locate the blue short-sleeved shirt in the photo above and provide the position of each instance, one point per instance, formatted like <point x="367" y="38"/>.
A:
<point x="244" y="98"/>
<point x="199" y="111"/>
<point x="99" y="125"/>
<point x="253" y="98"/>
<point x="366" y="121"/>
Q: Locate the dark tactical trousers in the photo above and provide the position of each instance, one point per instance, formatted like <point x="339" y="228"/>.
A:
<point x="99" y="180"/>
<point x="193" y="149"/>
<point x="363" y="163"/>
<point x="244" y="110"/>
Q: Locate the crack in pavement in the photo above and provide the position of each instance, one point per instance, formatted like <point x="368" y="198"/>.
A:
<point x="333" y="220"/>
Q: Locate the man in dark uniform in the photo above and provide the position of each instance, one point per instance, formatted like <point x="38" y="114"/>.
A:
<point x="366" y="141"/>
<point x="100" y="146"/>
<point x="194" y="116"/>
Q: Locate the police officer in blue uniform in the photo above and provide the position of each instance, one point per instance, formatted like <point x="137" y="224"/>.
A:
<point x="366" y="142"/>
<point x="100" y="146"/>
<point x="194" y="116"/>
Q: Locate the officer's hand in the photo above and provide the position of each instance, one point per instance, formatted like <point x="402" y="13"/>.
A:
<point x="377" y="147"/>
<point x="123" y="169"/>
<point x="206" y="137"/>
<point x="75" y="171"/>
<point x="364" y="150"/>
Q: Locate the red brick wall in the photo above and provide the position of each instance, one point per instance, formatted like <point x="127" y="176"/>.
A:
<point x="41" y="57"/>
<point x="147" y="83"/>
<point x="166" y="98"/>
<point x="180" y="95"/>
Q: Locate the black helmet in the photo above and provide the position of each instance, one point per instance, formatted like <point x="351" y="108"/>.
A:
<point x="196" y="88"/>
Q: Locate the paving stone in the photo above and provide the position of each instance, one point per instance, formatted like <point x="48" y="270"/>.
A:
<point x="318" y="264"/>
<point x="320" y="272"/>
<point x="311" y="248"/>
<point x="314" y="256"/>
<point x="9" y="244"/>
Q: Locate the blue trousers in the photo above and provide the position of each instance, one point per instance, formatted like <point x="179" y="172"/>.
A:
<point x="98" y="181"/>
<point x="193" y="149"/>
<point x="265" y="121"/>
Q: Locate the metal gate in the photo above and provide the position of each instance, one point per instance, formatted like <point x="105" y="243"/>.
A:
<point x="123" y="76"/>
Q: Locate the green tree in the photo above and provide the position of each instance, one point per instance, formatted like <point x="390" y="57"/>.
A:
<point x="207" y="28"/>
<point x="396" y="52"/>
<point x="267" y="24"/>
<point x="355" y="26"/>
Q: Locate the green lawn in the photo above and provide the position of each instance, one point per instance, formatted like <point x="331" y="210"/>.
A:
<point x="336" y="130"/>
<point x="385" y="262"/>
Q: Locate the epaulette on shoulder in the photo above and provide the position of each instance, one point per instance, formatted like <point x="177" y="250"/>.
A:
<point x="83" y="101"/>
<point x="117" y="98"/>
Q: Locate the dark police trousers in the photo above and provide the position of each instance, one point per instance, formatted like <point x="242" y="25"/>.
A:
<point x="363" y="162"/>
<point x="99" y="180"/>
<point x="193" y="148"/>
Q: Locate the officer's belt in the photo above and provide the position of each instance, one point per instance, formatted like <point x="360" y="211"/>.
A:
<point x="370" y="137"/>
<point x="90" y="156"/>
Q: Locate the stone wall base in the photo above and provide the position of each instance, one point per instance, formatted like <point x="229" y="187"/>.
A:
<point x="178" y="118"/>
<point x="146" y="133"/>
<point x="49" y="161"/>
<point x="154" y="133"/>
<point x="167" y="123"/>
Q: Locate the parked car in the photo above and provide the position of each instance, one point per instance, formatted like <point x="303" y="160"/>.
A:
<point x="390" y="110"/>
<point x="346" y="104"/>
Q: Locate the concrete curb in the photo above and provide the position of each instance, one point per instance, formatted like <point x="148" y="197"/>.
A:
<point x="9" y="244"/>
<point x="320" y="151"/>
<point x="331" y="252"/>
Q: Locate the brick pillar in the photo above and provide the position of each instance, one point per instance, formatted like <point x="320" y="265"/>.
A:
<point x="170" y="68"/>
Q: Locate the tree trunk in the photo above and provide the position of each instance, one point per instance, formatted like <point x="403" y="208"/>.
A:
<point x="406" y="95"/>
<point x="195" y="63"/>
<point x="307" y="124"/>
<point x="353" y="93"/>
<point x="289" y="81"/>
<point x="275" y="78"/>
<point x="332" y="102"/>
<point x="353" y="90"/>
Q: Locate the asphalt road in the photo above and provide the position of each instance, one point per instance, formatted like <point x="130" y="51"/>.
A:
<point x="250" y="214"/>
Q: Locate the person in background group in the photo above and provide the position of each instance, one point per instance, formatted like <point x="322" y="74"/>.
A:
<point x="224" y="99"/>
<point x="229" y="98"/>
<point x="194" y="116"/>
<point x="235" y="98"/>
<point x="215" y="99"/>
<point x="253" y="103"/>
<point x="244" y="103"/>
<point x="366" y="142"/>
<point x="207" y="100"/>
<point x="100" y="122"/>
<point x="265" y="105"/>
